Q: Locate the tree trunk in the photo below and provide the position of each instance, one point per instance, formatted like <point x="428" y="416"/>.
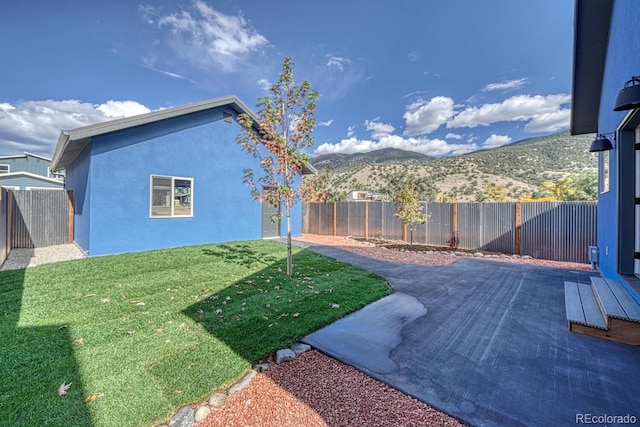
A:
<point x="289" y="254"/>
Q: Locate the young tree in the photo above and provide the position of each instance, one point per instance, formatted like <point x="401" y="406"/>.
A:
<point x="408" y="207"/>
<point x="279" y="140"/>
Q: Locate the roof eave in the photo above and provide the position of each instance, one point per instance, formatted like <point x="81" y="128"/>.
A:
<point x="592" y="21"/>
<point x="80" y="137"/>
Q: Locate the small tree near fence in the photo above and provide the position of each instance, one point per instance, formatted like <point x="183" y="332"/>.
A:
<point x="284" y="132"/>
<point x="408" y="207"/>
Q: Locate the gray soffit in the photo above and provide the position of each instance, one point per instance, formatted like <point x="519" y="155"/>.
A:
<point x="591" y="35"/>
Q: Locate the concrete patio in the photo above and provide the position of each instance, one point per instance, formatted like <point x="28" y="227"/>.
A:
<point x="486" y="342"/>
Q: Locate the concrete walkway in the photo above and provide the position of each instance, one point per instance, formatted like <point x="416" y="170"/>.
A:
<point x="486" y="342"/>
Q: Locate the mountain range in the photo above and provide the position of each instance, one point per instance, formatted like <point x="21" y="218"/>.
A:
<point x="520" y="167"/>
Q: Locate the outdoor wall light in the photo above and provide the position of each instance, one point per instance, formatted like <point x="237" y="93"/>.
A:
<point x="602" y="143"/>
<point x="629" y="97"/>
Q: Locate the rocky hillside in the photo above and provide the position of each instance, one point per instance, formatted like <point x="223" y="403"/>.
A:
<point x="521" y="167"/>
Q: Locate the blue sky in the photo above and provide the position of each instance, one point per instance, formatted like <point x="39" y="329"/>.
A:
<point x="433" y="76"/>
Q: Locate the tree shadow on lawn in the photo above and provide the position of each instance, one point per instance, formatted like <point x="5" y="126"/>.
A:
<point x="266" y="310"/>
<point x="34" y="362"/>
<point x="241" y="254"/>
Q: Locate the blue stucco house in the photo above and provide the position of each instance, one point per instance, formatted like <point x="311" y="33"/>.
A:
<point x="168" y="178"/>
<point x="606" y="60"/>
<point x="28" y="171"/>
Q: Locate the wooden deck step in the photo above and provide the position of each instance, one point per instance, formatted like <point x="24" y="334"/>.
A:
<point x="629" y="305"/>
<point x="604" y="309"/>
<point x="582" y="307"/>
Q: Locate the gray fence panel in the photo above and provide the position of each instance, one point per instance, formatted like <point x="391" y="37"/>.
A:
<point x="40" y="218"/>
<point x="4" y="221"/>
<point x="375" y="220"/>
<point x="558" y="231"/>
<point x="469" y="220"/>
<point x="326" y="219"/>
<point x="391" y="225"/>
<point x="487" y="226"/>
<point x="356" y="219"/>
<point x="313" y="218"/>
<point x="438" y="229"/>
<point x="342" y="218"/>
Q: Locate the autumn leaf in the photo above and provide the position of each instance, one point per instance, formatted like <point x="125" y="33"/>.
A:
<point x="93" y="396"/>
<point x="79" y="341"/>
<point x="62" y="390"/>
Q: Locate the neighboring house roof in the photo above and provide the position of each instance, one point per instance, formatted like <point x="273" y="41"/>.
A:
<point x="591" y="36"/>
<point x="6" y="176"/>
<point x="72" y="142"/>
<point x="17" y="156"/>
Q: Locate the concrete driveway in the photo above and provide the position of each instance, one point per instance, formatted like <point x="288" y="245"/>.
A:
<point x="486" y="342"/>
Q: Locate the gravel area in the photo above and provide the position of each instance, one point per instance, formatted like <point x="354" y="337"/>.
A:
<point x="24" y="258"/>
<point x="409" y="257"/>
<point x="316" y="390"/>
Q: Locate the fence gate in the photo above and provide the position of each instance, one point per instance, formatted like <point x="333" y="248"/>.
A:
<point x="39" y="218"/>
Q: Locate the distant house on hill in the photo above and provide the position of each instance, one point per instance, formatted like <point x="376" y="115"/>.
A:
<point x="168" y="178"/>
<point x="606" y="60"/>
<point x="364" y="196"/>
<point x="28" y="171"/>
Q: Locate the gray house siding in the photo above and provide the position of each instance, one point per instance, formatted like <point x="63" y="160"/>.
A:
<point x="26" y="163"/>
<point x="27" y="171"/>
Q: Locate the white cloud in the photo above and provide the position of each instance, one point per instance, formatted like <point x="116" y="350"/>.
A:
<point x="495" y="141"/>
<point x="204" y="36"/>
<point x="116" y="109"/>
<point x="378" y="130"/>
<point x="430" y="147"/>
<point x="423" y="117"/>
<point x="506" y="85"/>
<point x="543" y="113"/>
<point x="34" y="126"/>
<point x="351" y="130"/>
<point x="338" y="62"/>
<point x="413" y="56"/>
<point x="327" y="123"/>
<point x="453" y="136"/>
<point x="264" y="84"/>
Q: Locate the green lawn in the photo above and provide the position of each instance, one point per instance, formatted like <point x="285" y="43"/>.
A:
<point x="149" y="332"/>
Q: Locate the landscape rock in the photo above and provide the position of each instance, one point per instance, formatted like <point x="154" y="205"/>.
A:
<point x="478" y="255"/>
<point x="526" y="257"/>
<point x="184" y="418"/>
<point x="459" y="253"/>
<point x="262" y="367"/>
<point x="285" y="355"/>
<point x="242" y="382"/>
<point x="202" y="413"/>
<point x="217" y="399"/>
<point x="299" y="348"/>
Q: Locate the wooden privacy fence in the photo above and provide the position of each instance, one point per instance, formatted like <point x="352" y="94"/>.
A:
<point x="560" y="231"/>
<point x="35" y="218"/>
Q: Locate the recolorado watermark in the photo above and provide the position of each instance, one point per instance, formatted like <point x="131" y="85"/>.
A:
<point x="605" y="419"/>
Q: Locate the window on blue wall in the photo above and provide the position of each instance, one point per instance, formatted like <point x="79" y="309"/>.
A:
<point x="5" y="168"/>
<point x="171" y="197"/>
<point x="603" y="165"/>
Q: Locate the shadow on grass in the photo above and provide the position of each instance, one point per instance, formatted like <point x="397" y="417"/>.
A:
<point x="34" y="362"/>
<point x="266" y="310"/>
<point x="241" y="254"/>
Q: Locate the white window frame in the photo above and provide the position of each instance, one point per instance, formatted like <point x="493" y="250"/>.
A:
<point x="604" y="171"/>
<point x="7" y="166"/>
<point x="172" y="214"/>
